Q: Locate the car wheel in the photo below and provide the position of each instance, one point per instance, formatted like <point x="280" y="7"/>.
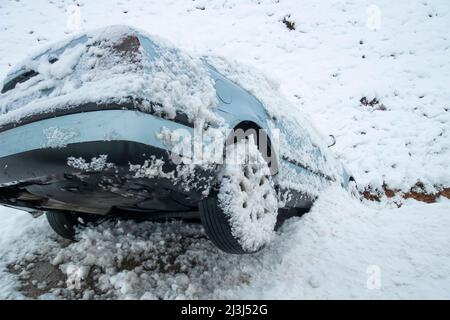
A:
<point x="241" y="216"/>
<point x="64" y="223"/>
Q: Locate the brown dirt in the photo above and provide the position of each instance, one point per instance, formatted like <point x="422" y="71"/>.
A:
<point x="39" y="279"/>
<point x="417" y="192"/>
<point x="446" y="193"/>
<point x="370" y="196"/>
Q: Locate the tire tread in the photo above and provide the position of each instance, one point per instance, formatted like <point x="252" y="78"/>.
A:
<point x="217" y="227"/>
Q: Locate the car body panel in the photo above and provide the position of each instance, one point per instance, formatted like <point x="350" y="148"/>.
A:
<point x="55" y="136"/>
<point x="105" y="125"/>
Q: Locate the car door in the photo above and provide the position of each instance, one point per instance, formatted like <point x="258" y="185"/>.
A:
<point x="304" y="164"/>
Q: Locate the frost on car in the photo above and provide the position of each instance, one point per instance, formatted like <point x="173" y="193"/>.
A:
<point x="115" y="121"/>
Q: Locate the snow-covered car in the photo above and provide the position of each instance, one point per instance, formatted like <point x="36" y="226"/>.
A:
<point x="117" y="122"/>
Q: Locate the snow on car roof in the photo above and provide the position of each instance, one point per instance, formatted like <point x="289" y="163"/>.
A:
<point x="81" y="70"/>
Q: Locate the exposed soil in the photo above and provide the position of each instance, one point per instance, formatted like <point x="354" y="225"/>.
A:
<point x="288" y="23"/>
<point x="38" y="277"/>
<point x="373" y="103"/>
<point x="417" y="192"/>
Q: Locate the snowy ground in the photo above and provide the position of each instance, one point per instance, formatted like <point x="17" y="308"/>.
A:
<point x="326" y="65"/>
<point x="341" y="249"/>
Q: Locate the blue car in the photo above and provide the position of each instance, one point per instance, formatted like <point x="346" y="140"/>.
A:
<point x="115" y="122"/>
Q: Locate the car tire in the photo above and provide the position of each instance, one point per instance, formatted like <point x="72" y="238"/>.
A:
<point x="228" y="232"/>
<point x="217" y="227"/>
<point x="64" y="223"/>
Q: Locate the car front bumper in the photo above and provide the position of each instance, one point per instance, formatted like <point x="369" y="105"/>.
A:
<point x="103" y="125"/>
<point x="35" y="157"/>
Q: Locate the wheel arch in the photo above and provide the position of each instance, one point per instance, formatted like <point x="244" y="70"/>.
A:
<point x="262" y="134"/>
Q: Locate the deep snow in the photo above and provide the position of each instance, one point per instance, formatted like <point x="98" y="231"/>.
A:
<point x="341" y="249"/>
<point x="339" y="53"/>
